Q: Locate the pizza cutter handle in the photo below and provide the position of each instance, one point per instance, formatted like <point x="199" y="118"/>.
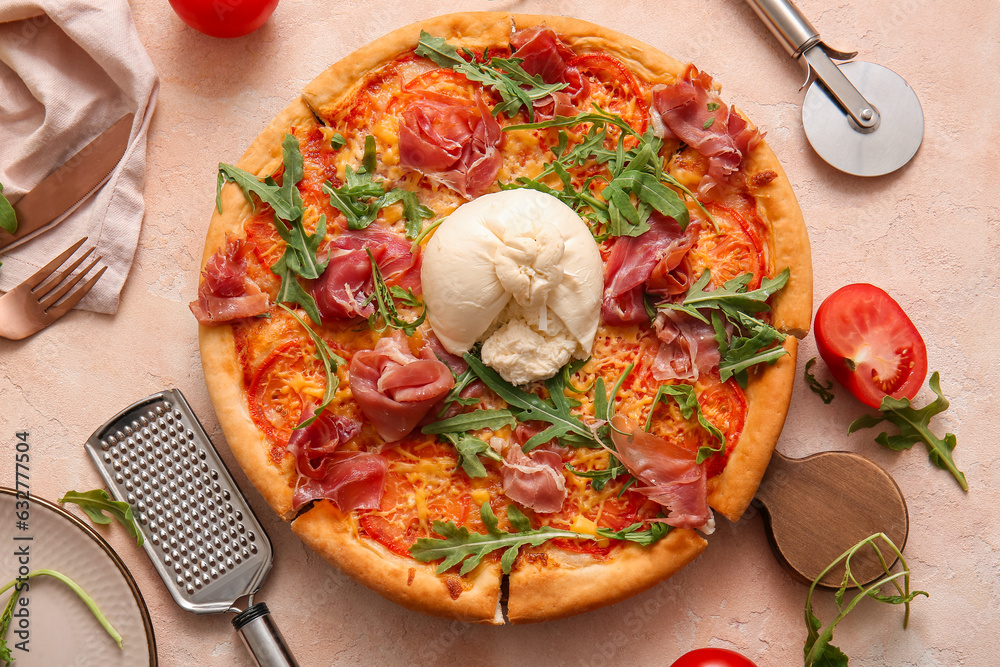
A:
<point x="788" y="24"/>
<point x="798" y="36"/>
<point x="263" y="638"/>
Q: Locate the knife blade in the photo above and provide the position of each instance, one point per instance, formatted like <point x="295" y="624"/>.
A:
<point x="71" y="183"/>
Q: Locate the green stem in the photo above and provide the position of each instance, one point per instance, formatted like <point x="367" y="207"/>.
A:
<point x="82" y="594"/>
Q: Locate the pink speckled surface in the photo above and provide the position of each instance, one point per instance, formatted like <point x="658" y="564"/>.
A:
<point x="928" y="234"/>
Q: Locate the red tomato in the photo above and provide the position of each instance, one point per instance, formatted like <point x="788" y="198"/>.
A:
<point x="712" y="657"/>
<point x="224" y="18"/>
<point x="870" y="345"/>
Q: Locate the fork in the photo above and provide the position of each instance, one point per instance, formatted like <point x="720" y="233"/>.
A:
<point x="32" y="306"/>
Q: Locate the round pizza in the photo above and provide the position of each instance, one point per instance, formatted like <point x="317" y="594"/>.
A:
<point x="501" y="311"/>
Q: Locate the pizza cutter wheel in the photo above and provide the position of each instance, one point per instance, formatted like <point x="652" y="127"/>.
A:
<point x="862" y="118"/>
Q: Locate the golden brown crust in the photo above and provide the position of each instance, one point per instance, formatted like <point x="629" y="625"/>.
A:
<point x="567" y="583"/>
<point x="473" y="30"/>
<point x="474" y="598"/>
<point x="563" y="583"/>
<point x="777" y="203"/>
<point x="768" y="395"/>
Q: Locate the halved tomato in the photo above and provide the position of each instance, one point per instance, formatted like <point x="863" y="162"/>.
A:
<point x="870" y="345"/>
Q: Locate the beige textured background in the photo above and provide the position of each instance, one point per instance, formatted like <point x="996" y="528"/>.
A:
<point x="928" y="234"/>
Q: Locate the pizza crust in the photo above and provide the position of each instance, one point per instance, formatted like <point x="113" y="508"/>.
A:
<point x="567" y="584"/>
<point x="474" y="598"/>
<point x="563" y="584"/>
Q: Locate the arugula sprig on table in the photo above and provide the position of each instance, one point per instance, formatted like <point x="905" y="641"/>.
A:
<point x="99" y="506"/>
<point x="689" y="406"/>
<point x="913" y="425"/>
<point x="458" y="545"/>
<point x="362" y="196"/>
<point x="300" y="259"/>
<point x="8" y="219"/>
<point x="818" y="650"/>
<point x="752" y="340"/>
<point x="385" y="303"/>
<point x="517" y="89"/>
<point x="637" y="185"/>
<point x="457" y="431"/>
<point x="330" y="360"/>
<point x="825" y="391"/>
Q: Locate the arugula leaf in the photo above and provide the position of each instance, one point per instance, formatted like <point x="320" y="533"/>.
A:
<point x="604" y="410"/>
<point x="824" y="390"/>
<point x="688" y="403"/>
<point x="635" y="533"/>
<point x="471" y="421"/>
<point x="284" y="199"/>
<point x="362" y="197"/>
<point x="75" y="587"/>
<point x="385" y="305"/>
<point x="470" y="448"/>
<point x="330" y="359"/>
<point x="517" y="88"/>
<point x="818" y="650"/>
<point x="438" y="50"/>
<point x="462" y="381"/>
<point x="752" y="341"/>
<point x="95" y="503"/>
<point x="458" y="545"/>
<point x="8" y="219"/>
<point x="650" y="189"/>
<point x="565" y="426"/>
<point x="914" y="427"/>
<point x="299" y="258"/>
<point x="337" y="141"/>
<point x="732" y="298"/>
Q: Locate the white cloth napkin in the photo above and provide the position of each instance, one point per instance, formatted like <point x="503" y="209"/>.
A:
<point x="68" y="70"/>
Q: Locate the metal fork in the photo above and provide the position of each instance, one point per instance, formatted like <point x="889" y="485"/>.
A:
<point x="32" y="306"/>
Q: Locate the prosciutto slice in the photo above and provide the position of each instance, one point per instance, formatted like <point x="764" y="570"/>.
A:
<point x="634" y="260"/>
<point x="347" y="282"/>
<point x="396" y="389"/>
<point x="687" y="347"/>
<point x="451" y="141"/>
<point x="667" y="473"/>
<point x="720" y="134"/>
<point x="534" y="480"/>
<point x="226" y="293"/>
<point x="312" y="444"/>
<point x="353" y="481"/>
<point x="545" y="55"/>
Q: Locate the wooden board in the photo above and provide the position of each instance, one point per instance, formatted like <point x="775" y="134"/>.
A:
<point x="818" y="507"/>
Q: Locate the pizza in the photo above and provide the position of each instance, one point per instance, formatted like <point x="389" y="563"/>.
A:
<point x="501" y="311"/>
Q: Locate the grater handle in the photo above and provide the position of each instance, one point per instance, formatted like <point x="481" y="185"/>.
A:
<point x="262" y="637"/>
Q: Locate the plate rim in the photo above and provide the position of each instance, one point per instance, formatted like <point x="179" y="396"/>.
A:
<point x="112" y="554"/>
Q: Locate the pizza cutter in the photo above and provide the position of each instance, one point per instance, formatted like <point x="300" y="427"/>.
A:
<point x="818" y="507"/>
<point x="862" y="118"/>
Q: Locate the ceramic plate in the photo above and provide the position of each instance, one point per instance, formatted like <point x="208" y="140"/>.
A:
<point x="61" y="630"/>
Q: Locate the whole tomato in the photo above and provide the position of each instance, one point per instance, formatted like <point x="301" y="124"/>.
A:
<point x="224" y="18"/>
<point x="870" y="345"/>
<point x="712" y="657"/>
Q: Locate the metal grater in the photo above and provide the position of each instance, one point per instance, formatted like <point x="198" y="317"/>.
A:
<point x="198" y="529"/>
